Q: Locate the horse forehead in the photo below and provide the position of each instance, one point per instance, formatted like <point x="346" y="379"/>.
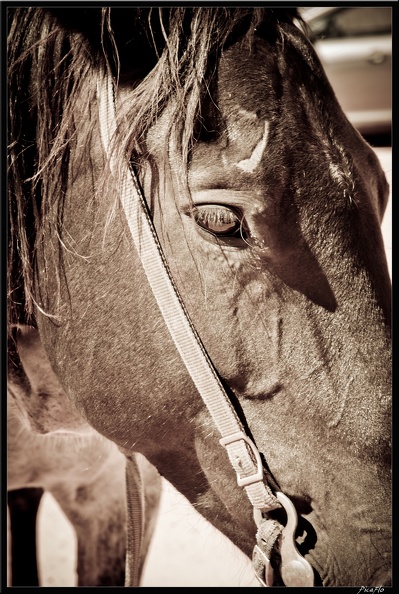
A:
<point x="242" y="145"/>
<point x="246" y="100"/>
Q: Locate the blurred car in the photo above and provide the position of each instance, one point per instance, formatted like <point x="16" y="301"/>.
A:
<point x="354" y="44"/>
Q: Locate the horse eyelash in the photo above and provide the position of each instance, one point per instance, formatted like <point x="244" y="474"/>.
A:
<point x="207" y="216"/>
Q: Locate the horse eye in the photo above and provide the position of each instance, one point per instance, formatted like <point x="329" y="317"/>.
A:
<point x="218" y="220"/>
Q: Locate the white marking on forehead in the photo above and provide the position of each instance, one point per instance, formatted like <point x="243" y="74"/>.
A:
<point x="248" y="165"/>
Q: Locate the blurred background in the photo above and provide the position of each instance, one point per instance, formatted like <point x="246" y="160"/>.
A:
<point x="354" y="44"/>
<point x="355" y="48"/>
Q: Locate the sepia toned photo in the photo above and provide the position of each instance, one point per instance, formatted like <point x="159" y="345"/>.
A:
<point x="199" y="295"/>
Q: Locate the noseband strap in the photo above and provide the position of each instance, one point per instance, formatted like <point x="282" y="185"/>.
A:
<point x="241" y="450"/>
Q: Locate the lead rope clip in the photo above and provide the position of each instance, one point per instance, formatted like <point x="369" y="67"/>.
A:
<point x="295" y="570"/>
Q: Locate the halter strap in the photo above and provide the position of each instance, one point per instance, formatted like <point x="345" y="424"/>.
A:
<point x="241" y="450"/>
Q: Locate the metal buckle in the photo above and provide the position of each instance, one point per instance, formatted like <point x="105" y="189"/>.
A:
<point x="258" y="475"/>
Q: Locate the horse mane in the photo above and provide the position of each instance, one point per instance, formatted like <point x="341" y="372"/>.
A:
<point x="163" y="54"/>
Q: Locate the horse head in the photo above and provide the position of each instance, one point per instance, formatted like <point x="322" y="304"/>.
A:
<point x="268" y="211"/>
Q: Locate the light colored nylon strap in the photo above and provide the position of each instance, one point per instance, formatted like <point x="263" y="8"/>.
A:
<point x="242" y="452"/>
